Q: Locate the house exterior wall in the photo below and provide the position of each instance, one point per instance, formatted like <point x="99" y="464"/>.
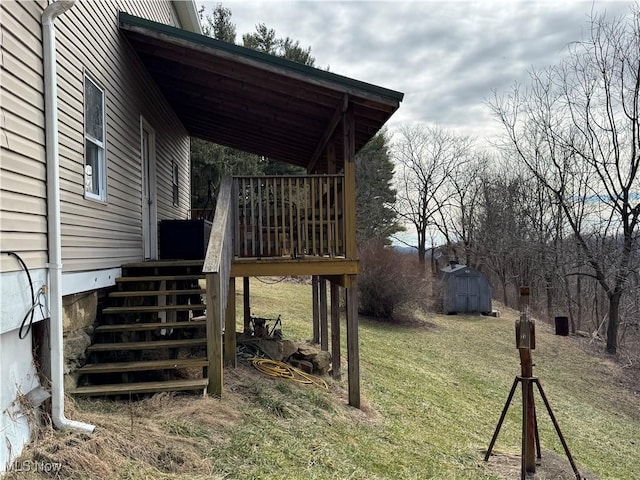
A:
<point x="23" y="206"/>
<point x="97" y="237"/>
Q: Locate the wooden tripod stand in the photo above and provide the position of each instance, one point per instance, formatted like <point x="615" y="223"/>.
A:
<point x="525" y="341"/>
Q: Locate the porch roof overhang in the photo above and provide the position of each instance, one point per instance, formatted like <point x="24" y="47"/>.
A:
<point x="256" y="102"/>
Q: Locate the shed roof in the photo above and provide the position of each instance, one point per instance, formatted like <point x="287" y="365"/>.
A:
<point x="254" y="101"/>
<point x="454" y="268"/>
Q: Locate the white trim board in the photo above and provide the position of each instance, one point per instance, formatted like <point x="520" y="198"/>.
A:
<point x="84" y="281"/>
<point x="15" y="294"/>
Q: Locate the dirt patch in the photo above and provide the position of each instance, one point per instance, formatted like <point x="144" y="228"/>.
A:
<point x="550" y="467"/>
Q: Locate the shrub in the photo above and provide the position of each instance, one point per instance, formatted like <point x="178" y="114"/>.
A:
<point x="385" y="280"/>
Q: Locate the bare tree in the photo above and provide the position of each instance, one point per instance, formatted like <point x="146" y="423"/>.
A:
<point x="577" y="129"/>
<point x="427" y="158"/>
<point x="504" y="230"/>
<point x="458" y="219"/>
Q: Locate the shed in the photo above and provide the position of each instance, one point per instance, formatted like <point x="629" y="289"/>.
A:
<point x="464" y="290"/>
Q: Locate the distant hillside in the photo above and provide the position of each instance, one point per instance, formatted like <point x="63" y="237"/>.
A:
<point x="405" y="249"/>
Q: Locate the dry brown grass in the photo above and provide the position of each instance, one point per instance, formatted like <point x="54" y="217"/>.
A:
<point x="158" y="437"/>
<point x="167" y="435"/>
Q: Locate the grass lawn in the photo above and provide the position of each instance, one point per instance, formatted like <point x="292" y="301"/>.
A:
<point x="432" y="394"/>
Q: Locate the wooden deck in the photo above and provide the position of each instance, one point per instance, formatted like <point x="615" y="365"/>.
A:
<point x="278" y="266"/>
<point x="281" y="226"/>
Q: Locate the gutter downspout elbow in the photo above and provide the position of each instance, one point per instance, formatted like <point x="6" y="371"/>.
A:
<point x="53" y="215"/>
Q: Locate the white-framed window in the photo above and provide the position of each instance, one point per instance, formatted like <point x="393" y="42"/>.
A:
<point x="174" y="183"/>
<point x="95" y="170"/>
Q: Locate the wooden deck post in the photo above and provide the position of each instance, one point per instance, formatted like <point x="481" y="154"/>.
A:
<point x="315" y="292"/>
<point x="336" y="368"/>
<point x="247" y="305"/>
<point x="214" y="334"/>
<point x="353" y="349"/>
<point x="349" y="152"/>
<point x="324" y="327"/>
<point x="230" y="326"/>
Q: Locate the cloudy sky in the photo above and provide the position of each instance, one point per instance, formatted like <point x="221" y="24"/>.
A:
<point x="447" y="57"/>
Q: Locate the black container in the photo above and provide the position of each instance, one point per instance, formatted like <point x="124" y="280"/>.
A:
<point x="562" y="326"/>
<point x="184" y="239"/>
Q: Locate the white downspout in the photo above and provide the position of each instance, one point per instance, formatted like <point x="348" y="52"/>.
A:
<point x="53" y="215"/>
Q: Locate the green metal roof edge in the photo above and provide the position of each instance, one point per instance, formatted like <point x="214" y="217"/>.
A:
<point x="128" y="19"/>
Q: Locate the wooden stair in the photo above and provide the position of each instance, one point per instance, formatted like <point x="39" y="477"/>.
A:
<point x="143" y="387"/>
<point x="152" y="335"/>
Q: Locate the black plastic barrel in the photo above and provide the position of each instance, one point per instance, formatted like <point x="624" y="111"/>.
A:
<point x="562" y="326"/>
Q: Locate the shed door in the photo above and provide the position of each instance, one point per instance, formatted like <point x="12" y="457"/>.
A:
<point x="461" y="293"/>
<point x="467" y="293"/>
<point x="473" y="293"/>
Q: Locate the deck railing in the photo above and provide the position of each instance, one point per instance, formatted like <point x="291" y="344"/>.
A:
<point x="217" y="270"/>
<point x="294" y="216"/>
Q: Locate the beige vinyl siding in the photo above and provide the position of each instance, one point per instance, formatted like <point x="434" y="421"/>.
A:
<point x="95" y="235"/>
<point x="98" y="235"/>
<point x="22" y="168"/>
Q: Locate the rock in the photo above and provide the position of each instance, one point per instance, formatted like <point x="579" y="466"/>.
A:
<point x="307" y="352"/>
<point x="75" y="346"/>
<point x="321" y="362"/>
<point x="79" y="311"/>
<point x="272" y="348"/>
<point x="70" y="381"/>
<point x="303" y="365"/>
<point x="288" y="348"/>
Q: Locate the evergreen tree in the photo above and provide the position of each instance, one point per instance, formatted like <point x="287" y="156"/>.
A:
<point x="219" y="26"/>
<point x="264" y="40"/>
<point x="375" y="196"/>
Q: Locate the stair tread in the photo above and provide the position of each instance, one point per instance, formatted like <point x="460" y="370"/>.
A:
<point x="142" y="365"/>
<point x="153" y="293"/>
<point x="142" y="387"/>
<point x="164" y="263"/>
<point x="137" y="327"/>
<point x="157" y="278"/>
<point x="106" y="347"/>
<point x="154" y="308"/>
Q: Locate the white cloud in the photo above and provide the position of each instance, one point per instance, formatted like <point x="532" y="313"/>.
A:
<point x="446" y="57"/>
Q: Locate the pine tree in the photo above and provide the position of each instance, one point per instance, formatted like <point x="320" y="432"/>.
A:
<point x="375" y="195"/>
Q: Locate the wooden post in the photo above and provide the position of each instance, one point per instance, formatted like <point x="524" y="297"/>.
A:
<point x="526" y="341"/>
<point x="247" y="305"/>
<point x="336" y="368"/>
<point x="214" y="334"/>
<point x="353" y="349"/>
<point x="315" y="292"/>
<point x="349" y="153"/>
<point x="230" y="326"/>
<point x="324" y="327"/>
